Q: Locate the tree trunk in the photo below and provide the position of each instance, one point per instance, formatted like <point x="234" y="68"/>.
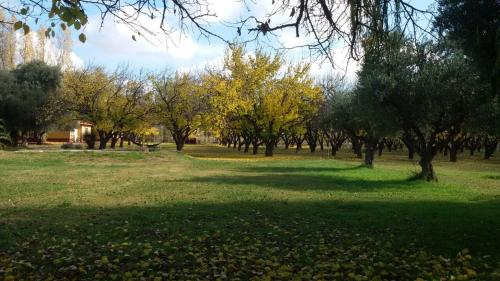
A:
<point x="255" y="146"/>
<point x="408" y="142"/>
<point x="24" y="139"/>
<point x="380" y="148"/>
<point x="334" y="148"/>
<point x="121" y="142"/>
<point x="179" y="146"/>
<point x="427" y="172"/>
<point x="287" y="144"/>
<point x="312" y="139"/>
<point x="298" y="146"/>
<point x="312" y="146"/>
<point x="453" y="152"/>
<point x="240" y="144"/>
<point x="103" y="139"/>
<point x="269" y="148"/>
<point x="356" y="147"/>
<point x="411" y="153"/>
<point x="179" y="139"/>
<point x="39" y="138"/>
<point x="369" y="154"/>
<point x="114" y="140"/>
<point x="255" y="149"/>
<point x="489" y="148"/>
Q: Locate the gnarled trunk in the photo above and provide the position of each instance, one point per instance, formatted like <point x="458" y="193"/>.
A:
<point x="240" y="144"/>
<point x="104" y="138"/>
<point x="312" y="139"/>
<point x="269" y="148"/>
<point x="180" y="137"/>
<point x="114" y="140"/>
<point x="369" y="152"/>
<point x="411" y="152"/>
<point x="255" y="145"/>
<point x="356" y="147"/>
<point x="453" y="152"/>
<point x="427" y="172"/>
<point x="255" y="149"/>
<point x="490" y="145"/>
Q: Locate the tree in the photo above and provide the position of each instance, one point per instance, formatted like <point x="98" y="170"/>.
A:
<point x="64" y="44"/>
<point x="114" y="103"/>
<point x="27" y="92"/>
<point x="474" y="25"/>
<point x="328" y="22"/>
<point x="286" y="103"/>
<point x="4" y="135"/>
<point x="86" y="95"/>
<point x="181" y="104"/>
<point x="132" y="106"/>
<point x="41" y="45"/>
<point x="485" y="125"/>
<point x="257" y="102"/>
<point x="429" y="89"/>
<point x="374" y="122"/>
<point x="183" y="14"/>
<point x="336" y="111"/>
<point x="8" y="44"/>
<point x="325" y="22"/>
<point x="27" y="51"/>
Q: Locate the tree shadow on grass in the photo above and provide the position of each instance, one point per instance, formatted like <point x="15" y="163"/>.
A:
<point x="300" y="169"/>
<point x="49" y="239"/>
<point x="298" y="182"/>
<point x="443" y="227"/>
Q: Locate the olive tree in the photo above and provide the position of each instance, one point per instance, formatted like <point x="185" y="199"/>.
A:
<point x="429" y="89"/>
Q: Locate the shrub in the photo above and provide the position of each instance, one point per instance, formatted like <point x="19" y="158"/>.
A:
<point x="72" y="146"/>
<point x="90" y="139"/>
<point x="68" y="146"/>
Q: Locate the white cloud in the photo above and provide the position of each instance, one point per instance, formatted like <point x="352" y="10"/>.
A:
<point x="76" y="61"/>
<point x="113" y="44"/>
<point x="117" y="37"/>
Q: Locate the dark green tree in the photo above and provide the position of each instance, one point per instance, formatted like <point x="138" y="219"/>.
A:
<point x="4" y="135"/>
<point x="475" y="25"/>
<point x="428" y="89"/>
<point x="26" y="94"/>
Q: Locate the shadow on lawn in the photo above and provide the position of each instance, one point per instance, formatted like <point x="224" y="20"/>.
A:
<point x="441" y="227"/>
<point x="298" y="182"/>
<point x="300" y="169"/>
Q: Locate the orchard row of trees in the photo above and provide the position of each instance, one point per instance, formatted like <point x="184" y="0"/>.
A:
<point x="256" y="100"/>
<point x="435" y="95"/>
<point x="428" y="97"/>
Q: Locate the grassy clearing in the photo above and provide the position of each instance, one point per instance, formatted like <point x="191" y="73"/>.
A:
<point x="213" y="213"/>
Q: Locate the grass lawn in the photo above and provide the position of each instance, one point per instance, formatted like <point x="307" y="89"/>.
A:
<point x="215" y="213"/>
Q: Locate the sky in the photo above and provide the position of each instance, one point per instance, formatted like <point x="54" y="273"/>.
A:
<point x="112" y="45"/>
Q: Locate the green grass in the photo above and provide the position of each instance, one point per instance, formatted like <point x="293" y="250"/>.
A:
<point x="213" y="212"/>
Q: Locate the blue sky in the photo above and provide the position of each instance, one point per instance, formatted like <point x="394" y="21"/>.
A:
<point x="112" y="45"/>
